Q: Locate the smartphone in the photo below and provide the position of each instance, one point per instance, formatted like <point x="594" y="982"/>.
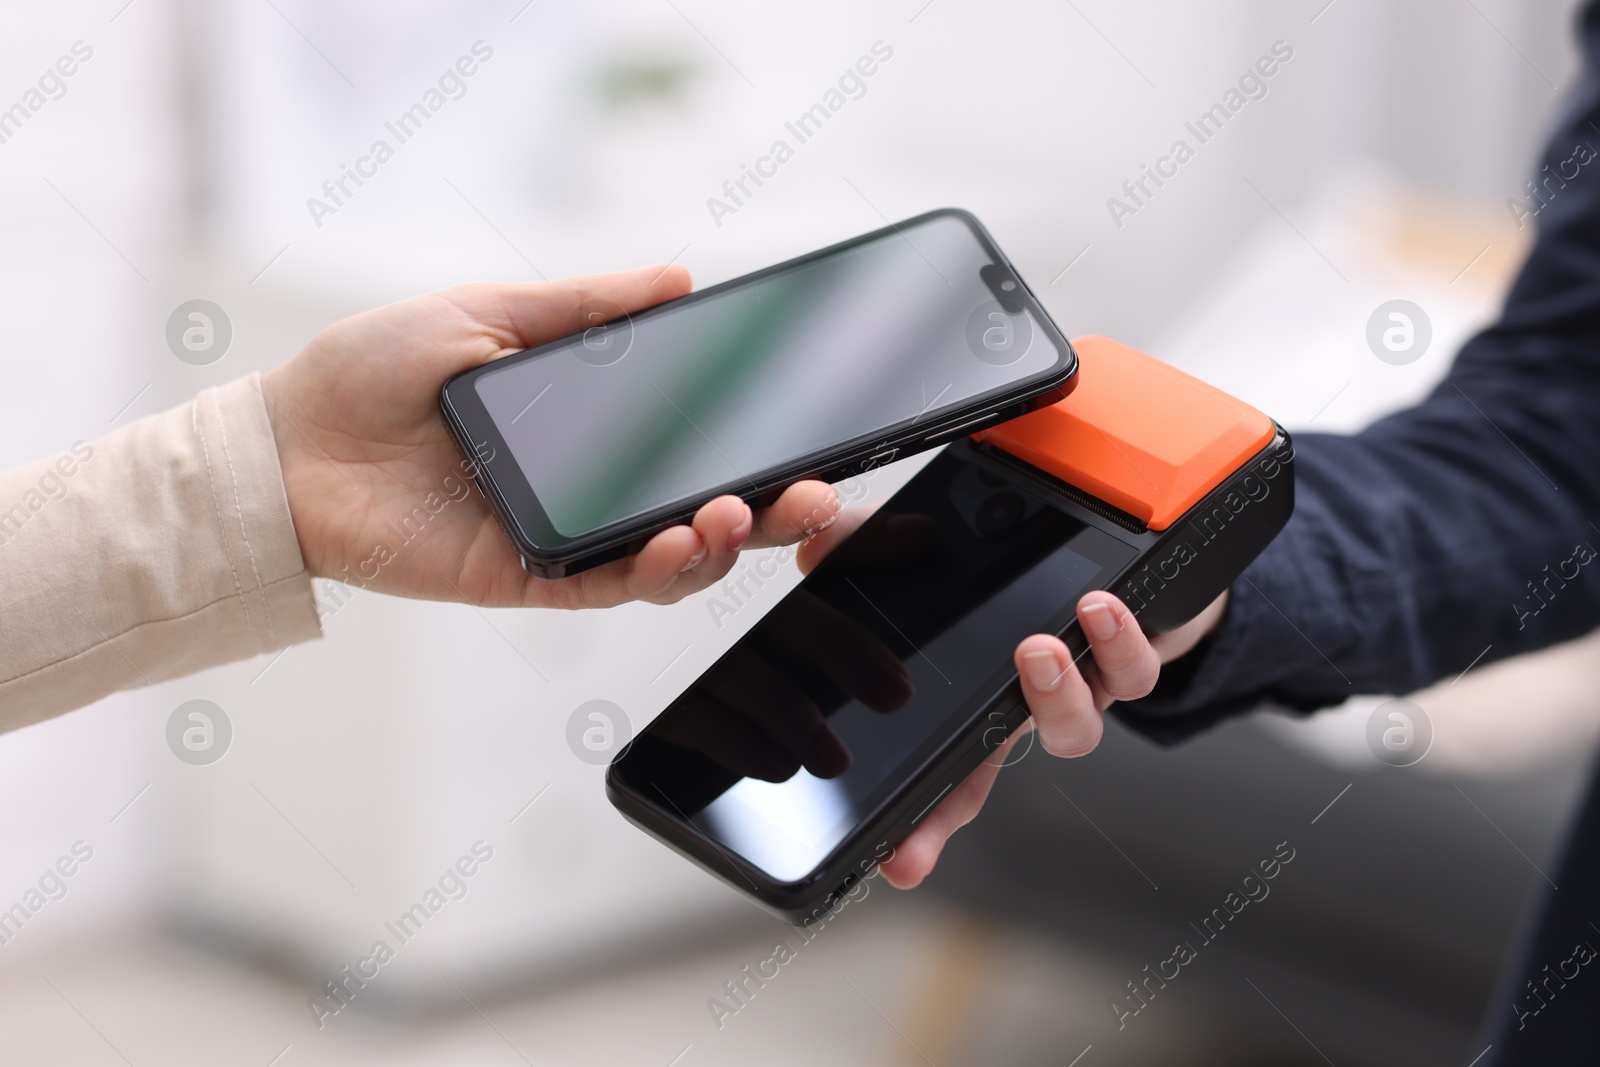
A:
<point x="821" y="367"/>
<point x="811" y="748"/>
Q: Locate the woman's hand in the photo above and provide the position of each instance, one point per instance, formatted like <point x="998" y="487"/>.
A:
<point x="377" y="489"/>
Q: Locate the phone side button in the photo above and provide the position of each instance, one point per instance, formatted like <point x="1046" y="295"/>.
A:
<point x="971" y="426"/>
<point x="933" y="803"/>
<point x="886" y="456"/>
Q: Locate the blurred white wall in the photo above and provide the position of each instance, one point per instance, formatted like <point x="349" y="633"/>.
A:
<point x="178" y="165"/>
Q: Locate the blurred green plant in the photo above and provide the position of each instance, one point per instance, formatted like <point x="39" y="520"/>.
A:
<point x="643" y="80"/>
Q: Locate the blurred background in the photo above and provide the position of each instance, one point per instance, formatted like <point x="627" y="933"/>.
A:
<point x="176" y="164"/>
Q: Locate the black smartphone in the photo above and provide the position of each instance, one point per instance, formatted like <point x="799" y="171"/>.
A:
<point x="815" y="745"/>
<point x="820" y="367"/>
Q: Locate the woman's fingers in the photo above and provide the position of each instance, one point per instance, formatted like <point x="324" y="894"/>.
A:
<point x="804" y="509"/>
<point x="526" y="314"/>
<point x="726" y="526"/>
<point x="680" y="560"/>
<point x="817" y="547"/>
<point x="683" y="559"/>
<point x="655" y="571"/>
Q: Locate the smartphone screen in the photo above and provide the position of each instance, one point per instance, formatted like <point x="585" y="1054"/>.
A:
<point x="885" y="652"/>
<point x="716" y="392"/>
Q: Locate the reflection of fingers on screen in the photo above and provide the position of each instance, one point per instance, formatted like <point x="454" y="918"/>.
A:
<point x="763" y="695"/>
<point x="846" y="652"/>
<point x="731" y="740"/>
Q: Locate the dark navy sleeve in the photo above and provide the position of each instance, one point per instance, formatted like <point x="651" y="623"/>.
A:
<point x="1462" y="530"/>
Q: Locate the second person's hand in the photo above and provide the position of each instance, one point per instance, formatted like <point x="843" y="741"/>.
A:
<point x="1068" y="700"/>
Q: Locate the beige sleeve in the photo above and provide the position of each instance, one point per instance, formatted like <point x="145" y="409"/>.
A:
<point x="162" y="549"/>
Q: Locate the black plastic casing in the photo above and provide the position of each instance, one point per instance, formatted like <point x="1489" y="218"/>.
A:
<point x="1176" y="574"/>
<point x="494" y="471"/>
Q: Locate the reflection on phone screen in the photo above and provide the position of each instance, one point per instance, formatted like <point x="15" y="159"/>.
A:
<point x="835" y="698"/>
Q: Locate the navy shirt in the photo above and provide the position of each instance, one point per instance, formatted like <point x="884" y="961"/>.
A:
<point x="1469" y="522"/>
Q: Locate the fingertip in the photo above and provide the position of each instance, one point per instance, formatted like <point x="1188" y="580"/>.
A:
<point x="815" y="549"/>
<point x="718" y="520"/>
<point x="1126" y="665"/>
<point x="1043" y="643"/>
<point x="667" y="555"/>
<point x="1059" y="697"/>
<point x="697" y="556"/>
<point x="1070" y="739"/>
<point x="826" y="508"/>
<point x="906" y="869"/>
<point x="804" y="510"/>
<point x="1043" y="662"/>
<point x="1100" y="618"/>
<point x="896" y="881"/>
<point x="673" y="278"/>
<point x="741" y="531"/>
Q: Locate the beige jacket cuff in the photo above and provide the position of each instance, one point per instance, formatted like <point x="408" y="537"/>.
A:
<point x="159" y="550"/>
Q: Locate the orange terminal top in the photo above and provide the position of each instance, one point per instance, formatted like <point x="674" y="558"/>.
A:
<point x="1140" y="435"/>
